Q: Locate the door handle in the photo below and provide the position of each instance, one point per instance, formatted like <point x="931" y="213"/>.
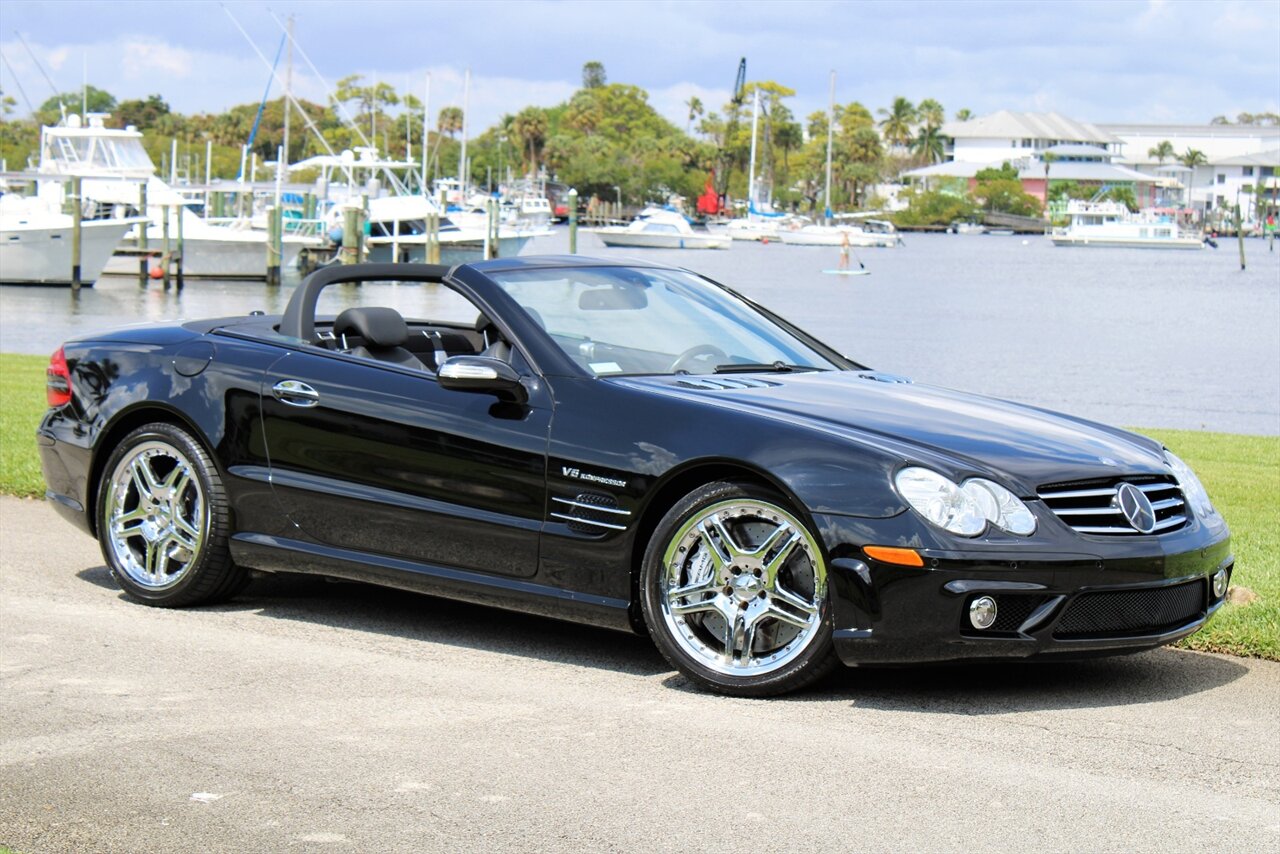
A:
<point x="295" y="393"/>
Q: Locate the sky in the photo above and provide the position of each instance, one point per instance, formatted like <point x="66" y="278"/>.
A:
<point x="1151" y="61"/>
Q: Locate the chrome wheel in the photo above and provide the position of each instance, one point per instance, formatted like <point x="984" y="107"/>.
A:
<point x="155" y="515"/>
<point x="742" y="587"/>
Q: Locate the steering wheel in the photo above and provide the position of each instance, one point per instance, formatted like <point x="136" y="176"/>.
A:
<point x="696" y="352"/>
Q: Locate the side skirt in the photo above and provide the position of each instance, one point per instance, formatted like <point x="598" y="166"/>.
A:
<point x="280" y="554"/>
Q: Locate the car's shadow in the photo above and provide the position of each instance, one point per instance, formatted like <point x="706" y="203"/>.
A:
<point x="972" y="689"/>
<point x="414" y="616"/>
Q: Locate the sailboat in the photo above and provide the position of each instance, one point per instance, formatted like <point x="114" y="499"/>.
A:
<point x="761" y="222"/>
<point x="867" y="233"/>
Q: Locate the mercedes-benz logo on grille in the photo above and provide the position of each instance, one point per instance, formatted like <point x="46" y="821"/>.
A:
<point x="1136" y="507"/>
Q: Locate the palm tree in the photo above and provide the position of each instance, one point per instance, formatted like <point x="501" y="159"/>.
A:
<point x="450" y="121"/>
<point x="695" y="109"/>
<point x="1162" y="152"/>
<point x="1192" y="158"/>
<point x="897" y="121"/>
<point x="964" y="114"/>
<point x="930" y="113"/>
<point x="531" y="126"/>
<point x="929" y="144"/>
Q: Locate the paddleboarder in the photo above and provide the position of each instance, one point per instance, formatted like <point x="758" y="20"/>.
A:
<point x="844" y="250"/>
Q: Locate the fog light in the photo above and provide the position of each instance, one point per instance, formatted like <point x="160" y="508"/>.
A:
<point x="982" y="612"/>
<point x="1219" y="584"/>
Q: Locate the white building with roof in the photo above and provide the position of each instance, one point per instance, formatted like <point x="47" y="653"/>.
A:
<point x="1007" y="135"/>
<point x="1081" y="153"/>
<point x="1240" y="158"/>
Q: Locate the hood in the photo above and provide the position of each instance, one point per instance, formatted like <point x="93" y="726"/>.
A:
<point x="1023" y="445"/>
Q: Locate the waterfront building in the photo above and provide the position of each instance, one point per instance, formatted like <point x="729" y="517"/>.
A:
<point x="1240" y="160"/>
<point x="1080" y="153"/>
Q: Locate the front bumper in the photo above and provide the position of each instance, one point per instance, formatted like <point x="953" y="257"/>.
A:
<point x="1105" y="596"/>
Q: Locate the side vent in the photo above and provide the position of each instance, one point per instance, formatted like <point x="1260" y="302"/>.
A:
<point x="590" y="513"/>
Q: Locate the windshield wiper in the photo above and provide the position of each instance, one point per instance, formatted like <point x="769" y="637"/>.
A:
<point x="761" y="367"/>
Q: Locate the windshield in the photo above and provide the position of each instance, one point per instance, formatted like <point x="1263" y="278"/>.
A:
<point x="616" y="321"/>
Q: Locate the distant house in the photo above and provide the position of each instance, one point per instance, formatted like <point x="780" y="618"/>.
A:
<point x="1007" y="135"/>
<point x="1238" y="156"/>
<point x="1080" y="152"/>
<point x="1240" y="159"/>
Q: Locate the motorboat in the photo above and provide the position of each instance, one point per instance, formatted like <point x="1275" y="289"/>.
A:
<point x="112" y="163"/>
<point x="36" y="243"/>
<point x="658" y="228"/>
<point x="1111" y="224"/>
<point x="835" y="235"/>
<point x="398" y="233"/>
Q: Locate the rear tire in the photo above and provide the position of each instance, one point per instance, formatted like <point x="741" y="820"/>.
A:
<point x="163" y="520"/>
<point x="734" y="591"/>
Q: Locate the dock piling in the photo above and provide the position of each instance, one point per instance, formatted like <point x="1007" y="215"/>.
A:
<point x="181" y="247"/>
<point x="573" y="222"/>
<point x="1240" y="234"/>
<point x="273" y="245"/>
<point x="77" y="213"/>
<point x="164" y="258"/>
<point x="142" y="234"/>
<point x="350" y="237"/>
<point x="433" y="238"/>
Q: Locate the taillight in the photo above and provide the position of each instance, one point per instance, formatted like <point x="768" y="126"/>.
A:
<point x="58" y="380"/>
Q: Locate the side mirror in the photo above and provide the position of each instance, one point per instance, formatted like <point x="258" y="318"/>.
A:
<point x="482" y="374"/>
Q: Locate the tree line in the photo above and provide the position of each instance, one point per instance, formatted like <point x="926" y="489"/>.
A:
<point x="606" y="139"/>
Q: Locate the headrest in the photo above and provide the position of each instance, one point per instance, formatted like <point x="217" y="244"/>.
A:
<point x="379" y="327"/>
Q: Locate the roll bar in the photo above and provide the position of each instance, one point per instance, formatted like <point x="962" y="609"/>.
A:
<point x="299" y="320"/>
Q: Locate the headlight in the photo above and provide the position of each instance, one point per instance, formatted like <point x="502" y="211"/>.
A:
<point x="1192" y="488"/>
<point x="940" y="501"/>
<point x="1000" y="506"/>
<point x="963" y="509"/>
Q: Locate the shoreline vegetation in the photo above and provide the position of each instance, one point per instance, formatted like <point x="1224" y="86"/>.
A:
<point x="606" y="141"/>
<point x="1242" y="474"/>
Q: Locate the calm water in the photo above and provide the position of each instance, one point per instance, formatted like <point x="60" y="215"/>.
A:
<point x="1131" y="337"/>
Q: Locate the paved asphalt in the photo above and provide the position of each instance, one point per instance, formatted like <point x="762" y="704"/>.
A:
<point x="308" y="716"/>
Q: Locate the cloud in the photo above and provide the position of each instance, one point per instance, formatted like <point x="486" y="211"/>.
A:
<point x="146" y="57"/>
<point x="1096" y="61"/>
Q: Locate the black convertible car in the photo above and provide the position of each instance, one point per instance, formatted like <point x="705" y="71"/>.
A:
<point x="627" y="445"/>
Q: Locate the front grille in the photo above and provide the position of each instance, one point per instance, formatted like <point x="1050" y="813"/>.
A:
<point x="1012" y="610"/>
<point x="590" y="513"/>
<point x="1091" y="507"/>
<point x="1150" y="610"/>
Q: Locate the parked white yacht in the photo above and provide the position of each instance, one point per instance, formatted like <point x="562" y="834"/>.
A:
<point x="36" y="243"/>
<point x="113" y="163"/>
<point x="870" y="234"/>
<point x="1111" y="224"/>
<point x="398" y="233"/>
<point x="656" y="228"/>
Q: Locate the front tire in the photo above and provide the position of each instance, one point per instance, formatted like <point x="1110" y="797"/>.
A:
<point x="734" y="592"/>
<point x="163" y="520"/>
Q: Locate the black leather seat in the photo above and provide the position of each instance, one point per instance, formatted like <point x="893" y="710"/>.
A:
<point x="494" y="345"/>
<point x="382" y="332"/>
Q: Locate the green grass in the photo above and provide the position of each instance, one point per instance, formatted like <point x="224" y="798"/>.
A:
<point x="22" y="404"/>
<point x="1242" y="474"/>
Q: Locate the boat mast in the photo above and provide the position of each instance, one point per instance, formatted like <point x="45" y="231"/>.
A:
<point x="831" y="122"/>
<point x="462" y="158"/>
<point x="426" y="131"/>
<point x="751" y="181"/>
<point x="288" y="91"/>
